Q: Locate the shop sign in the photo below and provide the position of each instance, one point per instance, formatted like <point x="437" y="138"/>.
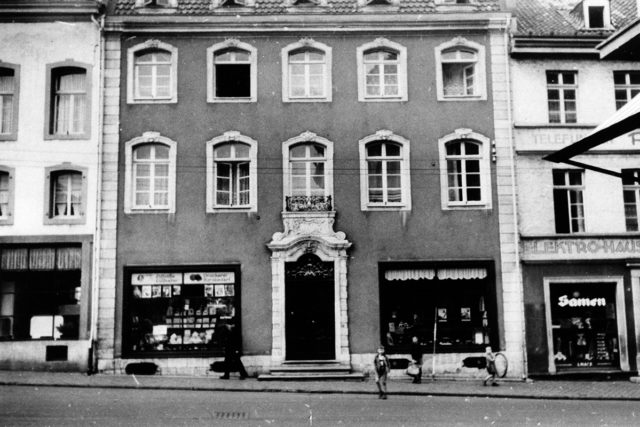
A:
<point x="564" y="301"/>
<point x="606" y="248"/>
<point x="545" y="139"/>
<point x="156" y="279"/>
<point x="195" y="278"/>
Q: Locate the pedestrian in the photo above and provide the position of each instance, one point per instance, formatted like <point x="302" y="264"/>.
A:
<point x="232" y="362"/>
<point x="381" y="369"/>
<point x="490" y="358"/>
<point x="416" y="355"/>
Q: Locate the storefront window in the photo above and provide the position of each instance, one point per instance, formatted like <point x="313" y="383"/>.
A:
<point x="583" y="320"/>
<point x="180" y="310"/>
<point x="453" y="304"/>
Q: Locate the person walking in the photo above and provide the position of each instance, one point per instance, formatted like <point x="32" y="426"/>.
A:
<point x="490" y="358"/>
<point x="381" y="369"/>
<point x="416" y="355"/>
<point x="232" y="362"/>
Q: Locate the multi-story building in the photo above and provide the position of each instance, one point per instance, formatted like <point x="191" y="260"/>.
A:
<point x="578" y="226"/>
<point x="49" y="136"/>
<point x="324" y="175"/>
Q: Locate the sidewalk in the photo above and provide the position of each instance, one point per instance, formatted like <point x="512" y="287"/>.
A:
<point x="570" y="390"/>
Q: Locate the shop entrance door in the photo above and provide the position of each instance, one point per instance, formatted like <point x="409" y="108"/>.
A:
<point x="309" y="308"/>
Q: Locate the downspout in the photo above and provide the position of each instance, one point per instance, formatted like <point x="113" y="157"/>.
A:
<point x="93" y="330"/>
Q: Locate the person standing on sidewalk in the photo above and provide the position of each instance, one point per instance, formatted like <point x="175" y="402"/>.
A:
<point x="232" y="362"/>
<point x="416" y="355"/>
<point x="490" y="358"/>
<point x="381" y="369"/>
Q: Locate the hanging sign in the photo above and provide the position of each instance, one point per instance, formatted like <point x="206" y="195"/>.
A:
<point x="565" y="301"/>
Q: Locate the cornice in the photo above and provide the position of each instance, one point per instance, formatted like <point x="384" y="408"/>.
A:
<point x="536" y="46"/>
<point x="44" y="11"/>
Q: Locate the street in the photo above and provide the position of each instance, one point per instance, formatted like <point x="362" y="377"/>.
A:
<point x="65" y="406"/>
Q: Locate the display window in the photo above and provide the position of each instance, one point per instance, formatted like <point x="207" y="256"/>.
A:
<point x="180" y="309"/>
<point x="451" y="305"/>
<point x="584" y="325"/>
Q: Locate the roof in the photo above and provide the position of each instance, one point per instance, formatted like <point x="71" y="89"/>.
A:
<point x="562" y="18"/>
<point x="273" y="7"/>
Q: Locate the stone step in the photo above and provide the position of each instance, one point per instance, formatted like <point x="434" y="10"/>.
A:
<point x="318" y="376"/>
<point x="311" y="369"/>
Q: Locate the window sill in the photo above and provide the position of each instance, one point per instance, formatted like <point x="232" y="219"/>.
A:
<point x="443" y="98"/>
<point x="297" y="100"/>
<point x="216" y="210"/>
<point x="153" y="101"/>
<point x="482" y="206"/>
<point x="402" y="98"/>
<point x="6" y="221"/>
<point x="65" y="221"/>
<point x="386" y="208"/>
<point x="231" y="100"/>
<point x="9" y="137"/>
<point x="138" y="211"/>
<point x="76" y="137"/>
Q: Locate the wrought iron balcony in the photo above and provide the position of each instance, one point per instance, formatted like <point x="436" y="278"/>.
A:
<point x="308" y="203"/>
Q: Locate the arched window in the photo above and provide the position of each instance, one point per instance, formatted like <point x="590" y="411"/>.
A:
<point x="68" y="100"/>
<point x="306" y="72"/>
<point x="232" y="72"/>
<point x="66" y="194"/>
<point x="150" y="167"/>
<point x="385" y="177"/>
<point x="152" y="73"/>
<point x="382" y="71"/>
<point x="231" y="173"/>
<point x="465" y="170"/>
<point x="6" y="195"/>
<point x="460" y="70"/>
<point x="9" y="87"/>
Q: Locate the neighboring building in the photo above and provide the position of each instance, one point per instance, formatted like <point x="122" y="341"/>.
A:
<point x="49" y="137"/>
<point x="241" y="136"/>
<point x="578" y="226"/>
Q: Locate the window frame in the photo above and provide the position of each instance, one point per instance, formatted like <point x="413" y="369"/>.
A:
<point x="627" y="86"/>
<point x="50" y="69"/>
<point x="155" y="45"/>
<point x="305" y="45"/>
<point x="149" y="138"/>
<point x="561" y="88"/>
<point x="633" y="187"/>
<point x="13" y="135"/>
<point x="9" y="218"/>
<point x="485" y="170"/>
<point x="49" y="197"/>
<point x="306" y="137"/>
<point x="480" y="70"/>
<point x="230" y="137"/>
<point x="232" y="44"/>
<point x="405" y="172"/>
<point x="606" y="13"/>
<point x="382" y="44"/>
<point x="566" y="188"/>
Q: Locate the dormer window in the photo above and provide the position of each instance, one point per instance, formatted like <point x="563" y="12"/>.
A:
<point x="215" y="4"/>
<point x="157" y="3"/>
<point x="596" y="14"/>
<point x="363" y="3"/>
<point x="305" y="3"/>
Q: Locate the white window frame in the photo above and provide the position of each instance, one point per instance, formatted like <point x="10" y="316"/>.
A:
<point x="7" y="218"/>
<point x="634" y="188"/>
<point x="606" y="13"/>
<point x="12" y="135"/>
<point x="381" y="44"/>
<point x="129" y="193"/>
<point x="485" y="170"/>
<point x="405" y="172"/>
<point x="49" y="218"/>
<point x="307" y="137"/>
<point x="561" y="87"/>
<point x="627" y="86"/>
<point x="310" y="44"/>
<point x="480" y="70"/>
<point x="132" y="97"/>
<point x="211" y="71"/>
<point x="230" y="137"/>
<point x="567" y="188"/>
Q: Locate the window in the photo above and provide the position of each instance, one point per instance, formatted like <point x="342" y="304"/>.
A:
<point x="596" y="17"/>
<point x="232" y="70"/>
<point x="66" y="194"/>
<point x="306" y="72"/>
<point x="9" y="86"/>
<point x="627" y="85"/>
<point x="631" y="196"/>
<point x="68" y="101"/>
<point x="385" y="177"/>
<point x="596" y="13"/>
<point x="568" y="200"/>
<point x="382" y="71"/>
<point x="157" y="3"/>
<point x="152" y="73"/>
<point x="561" y="96"/>
<point x="308" y="173"/>
<point x="465" y="170"/>
<point x="233" y="4"/>
<point x="231" y="173"/>
<point x="6" y="195"/>
<point x="150" y="169"/>
<point x="460" y="72"/>
<point x="363" y="3"/>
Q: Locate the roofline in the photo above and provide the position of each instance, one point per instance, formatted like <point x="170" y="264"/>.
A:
<point x="34" y="10"/>
<point x="619" y="39"/>
<point x="546" y="45"/>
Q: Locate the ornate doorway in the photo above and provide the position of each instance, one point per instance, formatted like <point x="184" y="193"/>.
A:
<point x="309" y="311"/>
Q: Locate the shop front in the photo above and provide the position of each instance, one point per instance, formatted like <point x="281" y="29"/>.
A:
<point x="45" y="299"/>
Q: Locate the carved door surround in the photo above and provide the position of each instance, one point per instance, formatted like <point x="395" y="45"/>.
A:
<point x="309" y="233"/>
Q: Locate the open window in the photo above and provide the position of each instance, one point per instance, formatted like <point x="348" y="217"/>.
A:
<point x="232" y="72"/>
<point x="68" y="101"/>
<point x="65" y="194"/>
<point x="460" y="71"/>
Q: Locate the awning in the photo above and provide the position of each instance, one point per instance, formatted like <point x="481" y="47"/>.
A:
<point x="623" y="121"/>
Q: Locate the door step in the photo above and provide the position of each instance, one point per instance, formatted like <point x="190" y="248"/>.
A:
<point x="311" y="370"/>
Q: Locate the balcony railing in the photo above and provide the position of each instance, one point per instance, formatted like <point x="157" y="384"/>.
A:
<point x="308" y="203"/>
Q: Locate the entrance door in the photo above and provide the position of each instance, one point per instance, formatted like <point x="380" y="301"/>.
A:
<point x="309" y="307"/>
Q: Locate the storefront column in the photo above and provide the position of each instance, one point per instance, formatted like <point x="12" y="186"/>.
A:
<point x="635" y="292"/>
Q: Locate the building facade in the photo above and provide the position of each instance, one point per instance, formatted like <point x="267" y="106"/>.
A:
<point x="578" y="226"/>
<point x="49" y="136"/>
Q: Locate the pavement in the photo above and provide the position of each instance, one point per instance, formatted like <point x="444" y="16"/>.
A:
<point x="622" y="390"/>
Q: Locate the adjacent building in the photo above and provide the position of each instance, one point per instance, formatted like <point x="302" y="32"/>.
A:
<point x="578" y="226"/>
<point x="324" y="176"/>
<point x="49" y="137"/>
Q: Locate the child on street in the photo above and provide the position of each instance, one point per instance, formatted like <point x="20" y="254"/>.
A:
<point x="491" y="367"/>
<point x="381" y="369"/>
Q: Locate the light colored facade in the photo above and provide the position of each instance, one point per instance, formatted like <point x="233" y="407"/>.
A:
<point x="50" y="68"/>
